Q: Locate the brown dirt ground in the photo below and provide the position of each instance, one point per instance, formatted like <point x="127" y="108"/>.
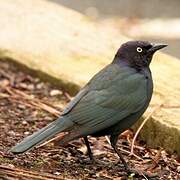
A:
<point x="27" y="104"/>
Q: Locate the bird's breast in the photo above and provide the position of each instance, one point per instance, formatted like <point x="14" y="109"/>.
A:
<point x="147" y="74"/>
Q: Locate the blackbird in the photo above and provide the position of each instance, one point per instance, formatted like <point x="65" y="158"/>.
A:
<point x="112" y="101"/>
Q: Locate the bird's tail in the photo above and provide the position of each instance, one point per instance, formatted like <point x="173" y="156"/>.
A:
<point x="42" y="135"/>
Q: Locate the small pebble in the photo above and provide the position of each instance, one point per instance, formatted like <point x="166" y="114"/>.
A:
<point x="26" y="133"/>
<point x="57" y="173"/>
<point x="23" y="85"/>
<point x="40" y="85"/>
<point x="11" y="133"/>
<point x="24" y="122"/>
<point x="55" y="92"/>
<point x="21" y="106"/>
<point x="30" y="87"/>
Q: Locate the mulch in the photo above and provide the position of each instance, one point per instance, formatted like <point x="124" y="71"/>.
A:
<point x="28" y="104"/>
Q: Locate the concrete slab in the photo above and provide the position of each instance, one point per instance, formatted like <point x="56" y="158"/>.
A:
<point x="63" y="46"/>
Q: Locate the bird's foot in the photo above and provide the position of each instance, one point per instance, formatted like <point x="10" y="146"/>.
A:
<point x="123" y="165"/>
<point x="136" y="172"/>
<point x="93" y="161"/>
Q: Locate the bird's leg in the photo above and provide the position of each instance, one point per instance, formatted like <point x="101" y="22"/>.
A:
<point x="88" y="148"/>
<point x="113" y="140"/>
<point x="92" y="159"/>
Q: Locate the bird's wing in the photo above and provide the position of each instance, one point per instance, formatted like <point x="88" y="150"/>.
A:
<point x="74" y="102"/>
<point x="110" y="96"/>
<point x="94" y="84"/>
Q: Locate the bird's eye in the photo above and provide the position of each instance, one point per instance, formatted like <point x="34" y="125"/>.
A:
<point x="139" y="49"/>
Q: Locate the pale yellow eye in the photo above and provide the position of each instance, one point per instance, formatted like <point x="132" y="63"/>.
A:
<point x="139" y="49"/>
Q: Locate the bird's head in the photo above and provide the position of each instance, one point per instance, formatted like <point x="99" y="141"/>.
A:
<point x="137" y="54"/>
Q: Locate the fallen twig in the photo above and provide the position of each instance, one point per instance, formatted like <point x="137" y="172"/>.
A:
<point x="155" y="160"/>
<point x="35" y="102"/>
<point x="67" y="96"/>
<point x="17" y="173"/>
<point x="3" y="95"/>
<point x="128" y="152"/>
<point x="140" y="127"/>
<point x="50" y="140"/>
<point x="123" y="150"/>
<point x="170" y="106"/>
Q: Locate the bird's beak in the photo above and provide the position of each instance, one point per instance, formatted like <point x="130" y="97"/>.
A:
<point x="156" y="47"/>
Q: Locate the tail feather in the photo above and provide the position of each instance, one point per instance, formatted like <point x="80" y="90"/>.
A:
<point x="42" y="135"/>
